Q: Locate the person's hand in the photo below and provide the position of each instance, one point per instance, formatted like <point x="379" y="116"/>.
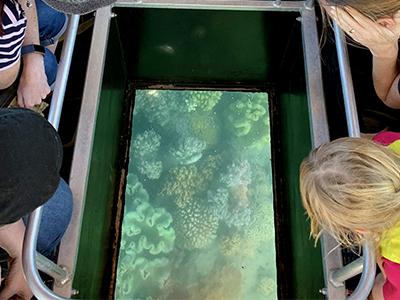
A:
<point x="33" y="87"/>
<point x="15" y="284"/>
<point x="381" y="38"/>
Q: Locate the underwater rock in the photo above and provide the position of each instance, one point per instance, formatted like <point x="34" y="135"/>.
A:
<point x="195" y="226"/>
<point x="189" y="150"/>
<point x="246" y="110"/>
<point x="204" y="100"/>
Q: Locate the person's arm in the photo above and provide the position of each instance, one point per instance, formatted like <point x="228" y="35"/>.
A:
<point x="11" y="240"/>
<point x="386" y="76"/>
<point x="382" y="41"/>
<point x="33" y="85"/>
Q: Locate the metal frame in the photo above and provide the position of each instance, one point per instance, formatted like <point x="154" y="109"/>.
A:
<point x="335" y="274"/>
<point x="30" y="240"/>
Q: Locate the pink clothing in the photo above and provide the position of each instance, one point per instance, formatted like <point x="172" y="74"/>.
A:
<point x="385" y="138"/>
<point x="391" y="287"/>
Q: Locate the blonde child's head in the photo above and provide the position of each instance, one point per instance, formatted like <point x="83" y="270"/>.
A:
<point x="351" y="188"/>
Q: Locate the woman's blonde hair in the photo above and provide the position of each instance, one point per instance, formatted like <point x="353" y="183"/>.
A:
<point x="372" y="8"/>
<point x="351" y="188"/>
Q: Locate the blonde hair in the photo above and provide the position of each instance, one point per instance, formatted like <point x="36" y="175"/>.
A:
<point x="351" y="188"/>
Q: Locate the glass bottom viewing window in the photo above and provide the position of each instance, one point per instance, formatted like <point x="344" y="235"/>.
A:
<point x="198" y="221"/>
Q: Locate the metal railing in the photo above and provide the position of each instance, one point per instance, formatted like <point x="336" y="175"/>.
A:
<point x="38" y="288"/>
<point x="369" y="266"/>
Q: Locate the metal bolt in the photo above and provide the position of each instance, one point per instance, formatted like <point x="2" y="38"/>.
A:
<point x="323" y="291"/>
<point x="74" y="292"/>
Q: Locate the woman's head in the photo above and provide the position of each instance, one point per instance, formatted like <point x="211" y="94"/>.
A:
<point x="371" y="8"/>
<point x="351" y="188"/>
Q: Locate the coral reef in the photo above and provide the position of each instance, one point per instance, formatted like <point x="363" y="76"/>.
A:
<point x="134" y="192"/>
<point x="267" y="287"/>
<point x="143" y="155"/>
<point x="189" y="150"/>
<point x="195" y="226"/>
<point x="235" y="245"/>
<point x="155" y="105"/>
<point x="145" y="144"/>
<point x="140" y="278"/>
<point x="261" y="227"/>
<point x="204" y="125"/>
<point x="151" y="169"/>
<point x="222" y="284"/>
<point x="218" y="202"/>
<point x="184" y="182"/>
<point x="238" y="217"/>
<point x="147" y="230"/>
<point x="147" y="235"/>
<point x="204" y="100"/>
<point x="245" y="110"/>
<point x="238" y="173"/>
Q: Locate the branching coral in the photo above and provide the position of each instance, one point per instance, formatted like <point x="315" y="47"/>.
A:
<point x="189" y="150"/>
<point x="236" y="246"/>
<point x="154" y="105"/>
<point x="204" y="100"/>
<point x="196" y="227"/>
<point x="245" y="110"/>
<point x="238" y="173"/>
<point x="146" y="143"/>
<point x="261" y="227"/>
<point x="144" y="154"/>
<point x="184" y="182"/>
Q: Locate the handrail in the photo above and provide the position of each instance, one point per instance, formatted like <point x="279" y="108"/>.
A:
<point x="369" y="266"/>
<point x="30" y="240"/>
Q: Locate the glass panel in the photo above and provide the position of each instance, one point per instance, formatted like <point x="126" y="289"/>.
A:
<point x="198" y="220"/>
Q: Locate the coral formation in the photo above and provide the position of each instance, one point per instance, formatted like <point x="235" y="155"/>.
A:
<point x="134" y="192"/>
<point x="238" y="173"/>
<point x="144" y="150"/>
<point x="147" y="235"/>
<point x="189" y="150"/>
<point x="205" y="127"/>
<point x="146" y="143"/>
<point x="267" y="287"/>
<point x="235" y="245"/>
<point x="185" y="181"/>
<point x="261" y="227"/>
<point x="204" y="100"/>
<point x="140" y="278"/>
<point x="245" y="110"/>
<point x="195" y="226"/>
<point x="151" y="169"/>
<point x="147" y="230"/>
<point x="223" y="284"/>
<point x="154" y="105"/>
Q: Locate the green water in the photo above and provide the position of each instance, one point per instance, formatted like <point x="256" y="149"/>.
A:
<point x="198" y="220"/>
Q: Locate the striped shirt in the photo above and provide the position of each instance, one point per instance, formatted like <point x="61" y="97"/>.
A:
<point x="14" y="26"/>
